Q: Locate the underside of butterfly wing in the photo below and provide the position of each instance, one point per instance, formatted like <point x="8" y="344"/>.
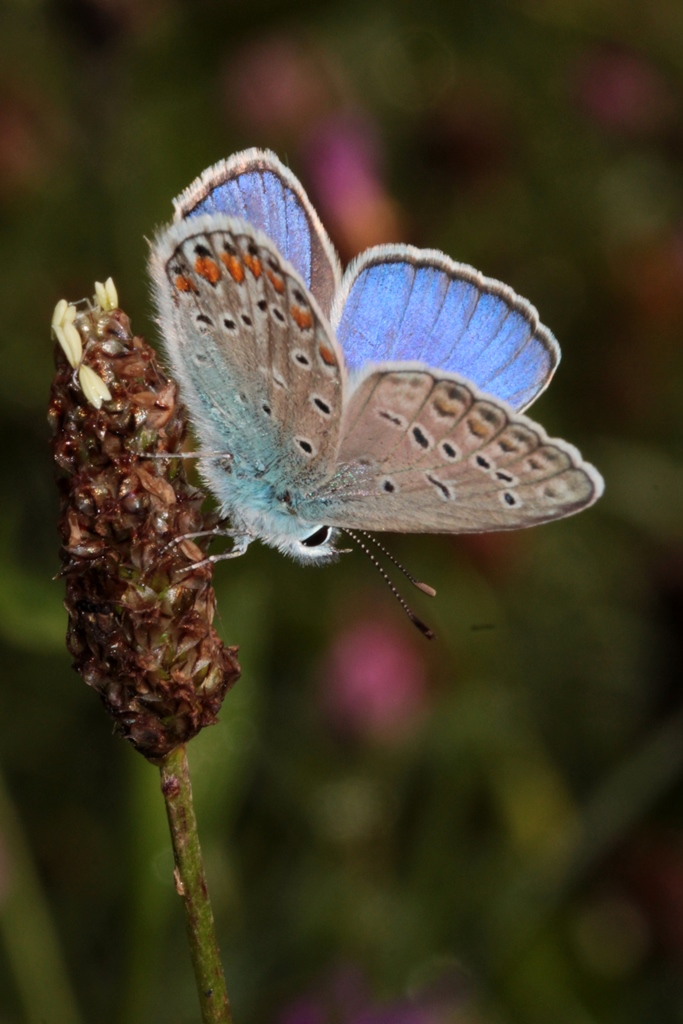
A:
<point x="427" y="452"/>
<point x="260" y="371"/>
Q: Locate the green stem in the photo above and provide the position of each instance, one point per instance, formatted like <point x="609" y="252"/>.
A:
<point x="191" y="885"/>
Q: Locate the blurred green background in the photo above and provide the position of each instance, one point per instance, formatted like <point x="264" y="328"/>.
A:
<point x="487" y="829"/>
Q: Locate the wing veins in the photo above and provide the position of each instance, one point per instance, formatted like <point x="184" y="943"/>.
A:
<point x="405" y="308"/>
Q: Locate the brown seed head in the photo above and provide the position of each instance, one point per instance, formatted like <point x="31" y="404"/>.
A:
<point x="140" y="611"/>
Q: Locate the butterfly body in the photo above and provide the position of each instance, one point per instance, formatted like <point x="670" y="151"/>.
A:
<point x="389" y="399"/>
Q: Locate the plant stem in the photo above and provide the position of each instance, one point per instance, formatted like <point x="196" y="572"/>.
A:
<point x="191" y="885"/>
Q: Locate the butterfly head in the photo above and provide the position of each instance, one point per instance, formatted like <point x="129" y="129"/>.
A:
<point x="316" y="546"/>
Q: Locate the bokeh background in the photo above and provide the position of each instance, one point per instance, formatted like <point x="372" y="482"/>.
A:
<point x="487" y="829"/>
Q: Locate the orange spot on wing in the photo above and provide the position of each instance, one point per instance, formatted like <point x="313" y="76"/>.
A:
<point x="327" y="355"/>
<point x="208" y="268"/>
<point x="302" y="317"/>
<point x="253" y="263"/>
<point x="183" y="284"/>
<point x="234" y="267"/>
<point x="476" y="427"/>
<point x="277" y="282"/>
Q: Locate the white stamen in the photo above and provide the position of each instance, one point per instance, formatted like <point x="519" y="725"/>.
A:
<point x="94" y="388"/>
<point x="112" y="294"/>
<point x="70" y="315"/>
<point x="58" y="315"/>
<point x="59" y="335"/>
<point x="100" y="297"/>
<point x="66" y="347"/>
<point x="74" y="340"/>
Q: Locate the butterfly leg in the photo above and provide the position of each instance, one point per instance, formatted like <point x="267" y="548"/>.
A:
<point x="216" y="532"/>
<point x="240" y="544"/>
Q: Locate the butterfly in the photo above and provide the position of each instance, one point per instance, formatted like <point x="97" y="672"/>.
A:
<point x="389" y="397"/>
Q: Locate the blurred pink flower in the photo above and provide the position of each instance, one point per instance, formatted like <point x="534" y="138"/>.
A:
<point x="624" y="93"/>
<point x="343" y="164"/>
<point x="303" y="1011"/>
<point x="374" y="681"/>
<point x="345" y="998"/>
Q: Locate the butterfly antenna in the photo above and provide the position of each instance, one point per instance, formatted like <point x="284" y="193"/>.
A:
<point x="424" y="587"/>
<point x="424" y="629"/>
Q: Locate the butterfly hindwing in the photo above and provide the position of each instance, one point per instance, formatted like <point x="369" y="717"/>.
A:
<point x="426" y="452"/>
<point x="255" y="186"/>
<point x="401" y="303"/>
<point x="260" y="369"/>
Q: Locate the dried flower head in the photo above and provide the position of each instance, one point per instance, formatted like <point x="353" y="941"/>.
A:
<point x="140" y="605"/>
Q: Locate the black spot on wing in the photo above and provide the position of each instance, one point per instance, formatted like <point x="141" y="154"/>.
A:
<point x="420" y="437"/>
<point x="396" y="420"/>
<point x="440" y="486"/>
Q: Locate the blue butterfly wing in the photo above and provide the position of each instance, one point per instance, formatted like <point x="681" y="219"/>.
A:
<point x="255" y="186"/>
<point x="397" y="303"/>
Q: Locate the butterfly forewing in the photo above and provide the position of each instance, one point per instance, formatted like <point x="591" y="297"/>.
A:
<point x="261" y="372"/>
<point x="256" y="187"/>
<point x="426" y="453"/>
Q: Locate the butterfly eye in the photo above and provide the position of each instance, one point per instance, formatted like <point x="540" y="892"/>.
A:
<point x="317" y="538"/>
